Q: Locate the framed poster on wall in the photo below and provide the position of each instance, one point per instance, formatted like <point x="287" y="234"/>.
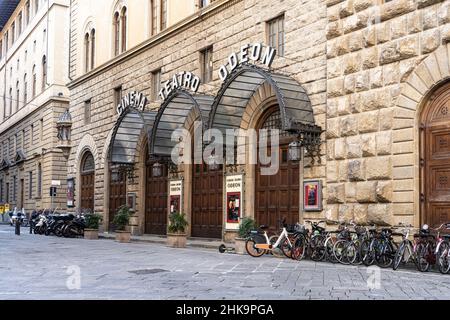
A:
<point x="131" y="201"/>
<point x="175" y="193"/>
<point x="312" y="195"/>
<point x="233" y="207"/>
<point x="71" y="192"/>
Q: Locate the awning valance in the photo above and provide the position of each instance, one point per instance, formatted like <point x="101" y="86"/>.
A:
<point x="127" y="131"/>
<point x="173" y="115"/>
<point x="239" y="87"/>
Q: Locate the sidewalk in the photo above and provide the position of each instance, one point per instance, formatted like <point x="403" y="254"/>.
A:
<point x="191" y="242"/>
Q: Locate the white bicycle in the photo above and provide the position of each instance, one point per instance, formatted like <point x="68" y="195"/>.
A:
<point x="258" y="243"/>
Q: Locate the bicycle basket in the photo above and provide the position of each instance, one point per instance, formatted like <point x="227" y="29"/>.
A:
<point x="299" y="228"/>
<point x="290" y="228"/>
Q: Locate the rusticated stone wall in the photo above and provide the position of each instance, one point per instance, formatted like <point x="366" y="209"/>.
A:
<point x="372" y="150"/>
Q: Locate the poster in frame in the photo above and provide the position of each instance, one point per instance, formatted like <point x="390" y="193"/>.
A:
<point x="312" y="195"/>
<point x="71" y="192"/>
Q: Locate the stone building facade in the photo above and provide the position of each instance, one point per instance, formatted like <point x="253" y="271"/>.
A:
<point x="365" y="70"/>
<point x="33" y="73"/>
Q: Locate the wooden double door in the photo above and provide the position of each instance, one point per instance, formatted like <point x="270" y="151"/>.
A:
<point x="435" y="159"/>
<point x="207" y="201"/>
<point x="156" y="200"/>
<point x="117" y="194"/>
<point x="278" y="195"/>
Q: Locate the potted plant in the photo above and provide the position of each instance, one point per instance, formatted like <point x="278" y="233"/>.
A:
<point x="176" y="237"/>
<point x="246" y="225"/>
<point x="121" y="220"/>
<point x="92" y="224"/>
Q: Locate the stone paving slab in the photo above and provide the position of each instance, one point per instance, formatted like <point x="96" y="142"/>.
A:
<point x="40" y="267"/>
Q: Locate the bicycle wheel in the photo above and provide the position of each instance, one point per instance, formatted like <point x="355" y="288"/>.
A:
<point x="251" y="250"/>
<point x="352" y="252"/>
<point x="368" y="252"/>
<point x="385" y="254"/>
<point x="339" y="251"/>
<point x="317" y="248"/>
<point x="443" y="257"/>
<point x="286" y="247"/>
<point x="422" y="251"/>
<point x="299" y="248"/>
<point x="398" y="258"/>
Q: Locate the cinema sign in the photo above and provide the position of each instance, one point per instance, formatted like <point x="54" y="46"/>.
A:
<point x="249" y="52"/>
<point x="133" y="99"/>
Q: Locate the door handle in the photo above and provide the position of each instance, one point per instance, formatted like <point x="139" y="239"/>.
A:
<point x="422" y="197"/>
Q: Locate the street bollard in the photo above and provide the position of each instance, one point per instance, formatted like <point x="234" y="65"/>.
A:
<point x="18" y="227"/>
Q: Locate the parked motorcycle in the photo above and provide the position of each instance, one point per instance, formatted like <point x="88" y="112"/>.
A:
<point x="75" y="228"/>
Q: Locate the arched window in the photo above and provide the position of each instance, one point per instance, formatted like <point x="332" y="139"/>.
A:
<point x="33" y="82"/>
<point x="25" y="89"/>
<point x="92" y="49"/>
<point x="86" y="52"/>
<point x="88" y="164"/>
<point x="123" y="19"/>
<point x="116" y="24"/>
<point x="44" y="72"/>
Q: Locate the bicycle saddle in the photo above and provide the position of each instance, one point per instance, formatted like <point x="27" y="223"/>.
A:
<point x="264" y="226"/>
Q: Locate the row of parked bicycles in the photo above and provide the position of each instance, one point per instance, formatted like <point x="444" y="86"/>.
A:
<point x="61" y="225"/>
<point x="352" y="244"/>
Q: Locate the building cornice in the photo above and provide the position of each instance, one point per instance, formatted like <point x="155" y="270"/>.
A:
<point x="170" y="32"/>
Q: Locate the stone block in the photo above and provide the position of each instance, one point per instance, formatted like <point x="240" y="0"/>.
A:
<point x="360" y="5"/>
<point x="354" y="103"/>
<point x="414" y="22"/>
<point x="430" y="40"/>
<point x="370" y="37"/>
<point x="391" y="74"/>
<point x="335" y="87"/>
<point x="356" y="42"/>
<point x="356" y="171"/>
<point x="403" y="196"/>
<point x="352" y="63"/>
<point x="403" y="185"/>
<point x="368" y="146"/>
<point x="342" y="45"/>
<point x="444" y="13"/>
<point x="343" y="170"/>
<point x="392" y="9"/>
<point x="349" y="84"/>
<point x="334" y="68"/>
<point x="429" y="18"/>
<point x="333" y="129"/>
<point x="335" y="193"/>
<point x="398" y="28"/>
<point x="332" y="108"/>
<point x="355" y="22"/>
<point x="353" y="147"/>
<point x="334" y="29"/>
<point x="350" y="191"/>
<point x="446" y="33"/>
<point x="360" y="213"/>
<point x="380" y="213"/>
<point x="405" y="68"/>
<point x="401" y="49"/>
<point x="370" y="58"/>
<point x="346" y="9"/>
<point x="384" y="142"/>
<point x="332" y="49"/>
<point x="426" y="3"/>
<point x="378" y="168"/>
<point x="332" y="171"/>
<point x="343" y="107"/>
<point x="362" y="81"/>
<point x="330" y="149"/>
<point x="332" y="212"/>
<point x="346" y="212"/>
<point x="384" y="191"/>
<point x="339" y="149"/>
<point x="376" y="78"/>
<point x="349" y="126"/>
<point x="368" y="122"/>
<point x="366" y="192"/>
<point x="386" y="119"/>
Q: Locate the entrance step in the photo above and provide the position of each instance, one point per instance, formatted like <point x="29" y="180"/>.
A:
<point x="191" y="242"/>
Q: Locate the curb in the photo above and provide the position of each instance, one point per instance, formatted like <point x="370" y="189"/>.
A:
<point x="163" y="241"/>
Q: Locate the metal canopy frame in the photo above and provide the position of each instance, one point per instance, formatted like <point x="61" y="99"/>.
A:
<point x="240" y="85"/>
<point x="172" y="115"/>
<point x="126" y="134"/>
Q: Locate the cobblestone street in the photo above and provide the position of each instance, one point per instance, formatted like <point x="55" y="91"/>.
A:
<point x="39" y="267"/>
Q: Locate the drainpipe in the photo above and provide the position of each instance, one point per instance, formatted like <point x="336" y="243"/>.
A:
<point x="70" y="41"/>
<point x="48" y="31"/>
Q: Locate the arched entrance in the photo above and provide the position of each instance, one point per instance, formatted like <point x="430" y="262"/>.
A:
<point x="207" y="201"/>
<point x="156" y="197"/>
<point x="278" y="195"/>
<point x="435" y="158"/>
<point x="87" y="182"/>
